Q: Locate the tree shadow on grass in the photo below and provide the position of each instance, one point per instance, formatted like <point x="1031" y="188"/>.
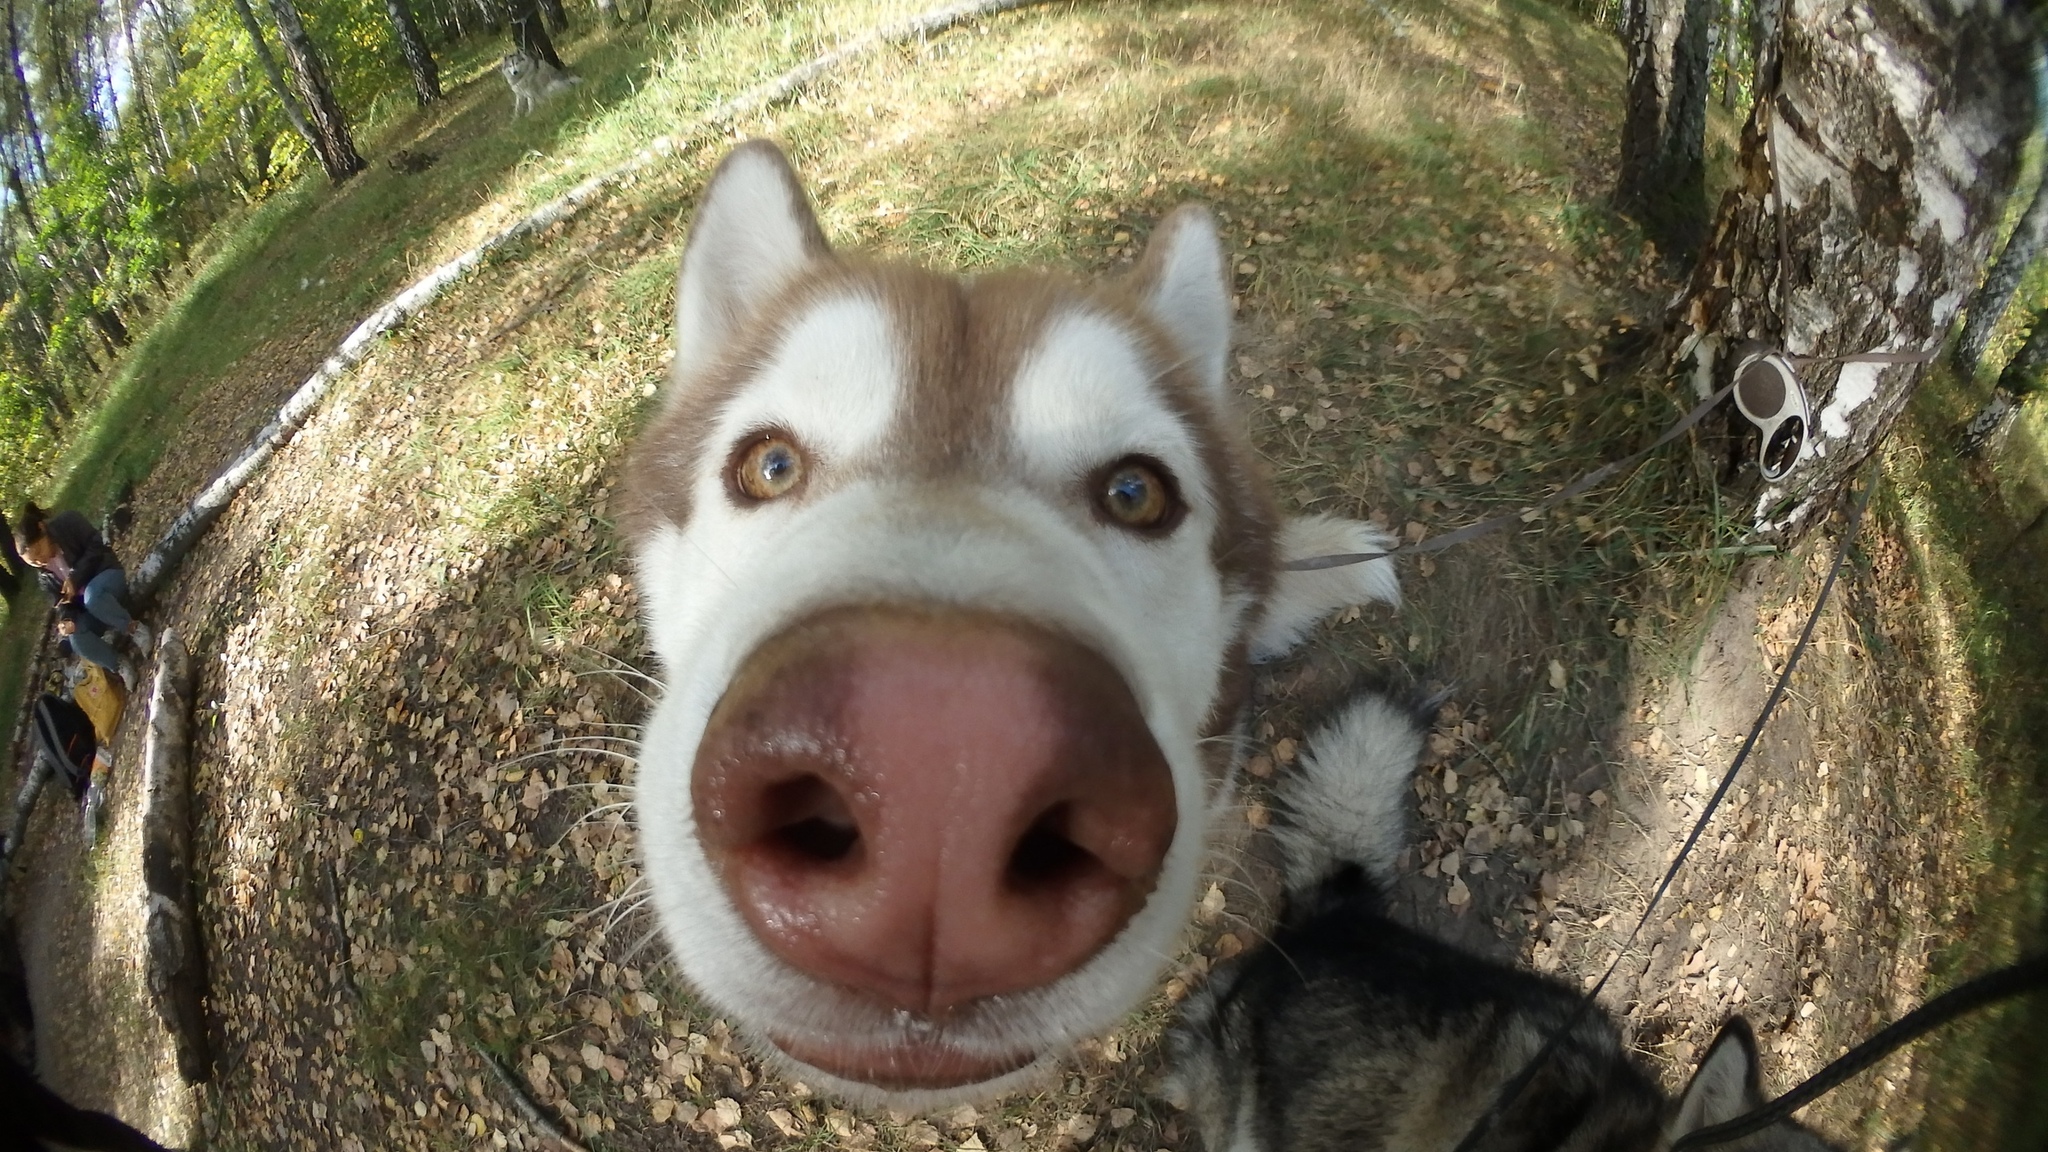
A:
<point x="1984" y="1073"/>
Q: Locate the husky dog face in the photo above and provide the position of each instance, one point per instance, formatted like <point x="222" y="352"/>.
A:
<point x="516" y="66"/>
<point x="952" y="582"/>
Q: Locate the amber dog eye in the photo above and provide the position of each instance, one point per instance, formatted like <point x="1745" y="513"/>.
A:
<point x="767" y="467"/>
<point x="1137" y="493"/>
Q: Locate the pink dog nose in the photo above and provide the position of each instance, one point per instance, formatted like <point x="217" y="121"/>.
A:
<point x="932" y="806"/>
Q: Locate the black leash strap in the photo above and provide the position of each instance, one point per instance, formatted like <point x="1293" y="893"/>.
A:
<point x="1452" y="539"/>
<point x="1512" y="1090"/>
<point x="2025" y="976"/>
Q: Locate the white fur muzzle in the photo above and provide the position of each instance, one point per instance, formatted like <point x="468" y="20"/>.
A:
<point x="948" y="433"/>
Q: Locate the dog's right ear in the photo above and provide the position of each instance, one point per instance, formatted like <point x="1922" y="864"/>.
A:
<point x="1183" y="280"/>
<point x="1726" y="1085"/>
<point x="753" y="233"/>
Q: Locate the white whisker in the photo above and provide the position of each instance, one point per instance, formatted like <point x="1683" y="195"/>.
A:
<point x="592" y="784"/>
<point x="596" y="813"/>
<point x="625" y="678"/>
<point x="605" y="736"/>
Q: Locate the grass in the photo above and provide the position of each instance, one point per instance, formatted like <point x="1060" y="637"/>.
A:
<point x="1970" y="521"/>
<point x="1433" y="306"/>
<point x="1974" y="526"/>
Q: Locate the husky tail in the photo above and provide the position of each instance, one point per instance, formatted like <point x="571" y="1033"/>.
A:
<point x="1347" y="801"/>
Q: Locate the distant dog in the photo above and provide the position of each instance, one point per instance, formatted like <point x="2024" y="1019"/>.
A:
<point x="533" y="80"/>
<point x="955" y="585"/>
<point x="1352" y="1032"/>
<point x="622" y="11"/>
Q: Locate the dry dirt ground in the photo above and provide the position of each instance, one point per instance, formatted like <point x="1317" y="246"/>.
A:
<point x="422" y="667"/>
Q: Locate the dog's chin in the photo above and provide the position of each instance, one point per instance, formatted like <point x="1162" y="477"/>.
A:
<point x="928" y="1072"/>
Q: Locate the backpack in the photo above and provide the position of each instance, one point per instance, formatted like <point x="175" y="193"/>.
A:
<point x="103" y="697"/>
<point x="64" y="733"/>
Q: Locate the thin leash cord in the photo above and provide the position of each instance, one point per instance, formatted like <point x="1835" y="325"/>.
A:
<point x="1484" y="527"/>
<point x="1513" y="1088"/>
<point x="2026" y="976"/>
<point x="1584" y="482"/>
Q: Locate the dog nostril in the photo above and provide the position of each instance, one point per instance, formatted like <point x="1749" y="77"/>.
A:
<point x="819" y="840"/>
<point x="811" y="821"/>
<point x="1046" y="855"/>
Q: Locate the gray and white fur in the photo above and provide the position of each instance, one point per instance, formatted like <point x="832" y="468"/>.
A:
<point x="1352" y="1031"/>
<point x="533" y="80"/>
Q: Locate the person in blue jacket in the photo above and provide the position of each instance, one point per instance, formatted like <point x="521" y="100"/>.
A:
<point x="88" y="581"/>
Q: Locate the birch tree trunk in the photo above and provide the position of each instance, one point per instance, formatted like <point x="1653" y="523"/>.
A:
<point x="337" y="149"/>
<point x="292" y="113"/>
<point x="2020" y="377"/>
<point x="426" y="79"/>
<point x="1897" y="131"/>
<point x="530" y="32"/>
<point x="1662" y="180"/>
<point x="1995" y="295"/>
<point x="176" y="962"/>
<point x="28" y="106"/>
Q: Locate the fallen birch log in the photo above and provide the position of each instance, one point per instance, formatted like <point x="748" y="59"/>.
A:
<point x="205" y="508"/>
<point x="175" y="964"/>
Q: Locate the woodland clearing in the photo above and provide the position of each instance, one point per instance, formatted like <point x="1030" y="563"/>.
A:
<point x="421" y="663"/>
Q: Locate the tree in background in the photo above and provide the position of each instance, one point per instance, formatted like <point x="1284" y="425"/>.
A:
<point x="1662" y="180"/>
<point x="426" y="79"/>
<point x="1995" y="295"/>
<point x="529" y="31"/>
<point x="2020" y="378"/>
<point x="285" y="99"/>
<point x="128" y="127"/>
<point x="336" y="148"/>
<point x="1896" y="132"/>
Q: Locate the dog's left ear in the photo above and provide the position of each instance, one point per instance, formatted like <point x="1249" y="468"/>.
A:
<point x="1726" y="1085"/>
<point x="1183" y="283"/>
<point x="754" y="231"/>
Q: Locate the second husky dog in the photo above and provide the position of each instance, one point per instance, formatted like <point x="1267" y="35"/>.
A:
<point x="533" y="80"/>
<point x="1352" y="1031"/>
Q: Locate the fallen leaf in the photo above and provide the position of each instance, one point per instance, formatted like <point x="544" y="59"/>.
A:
<point x="724" y="1114"/>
